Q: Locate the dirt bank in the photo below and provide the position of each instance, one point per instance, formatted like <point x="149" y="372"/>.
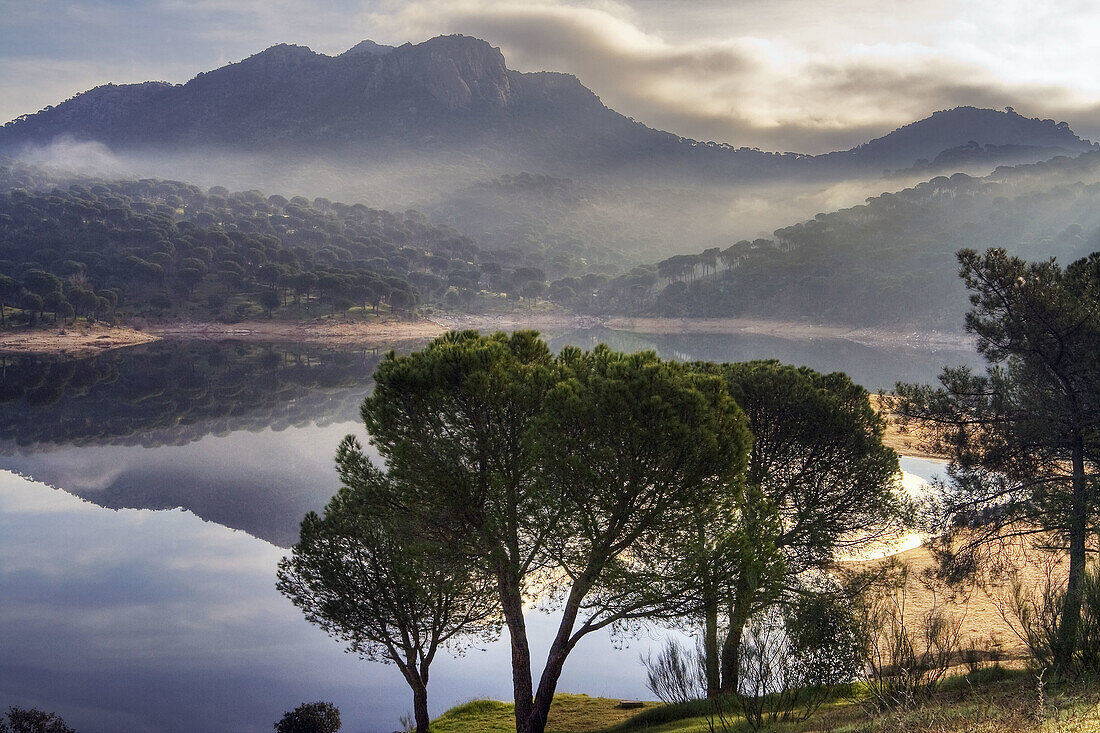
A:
<point x="326" y="333"/>
<point x="72" y="340"/>
<point x="553" y="321"/>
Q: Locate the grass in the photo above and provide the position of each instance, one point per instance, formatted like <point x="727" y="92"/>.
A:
<point x="569" y="714"/>
<point x="991" y="700"/>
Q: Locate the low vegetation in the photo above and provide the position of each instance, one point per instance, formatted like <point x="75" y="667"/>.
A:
<point x="992" y="700"/>
<point x="569" y="714"/>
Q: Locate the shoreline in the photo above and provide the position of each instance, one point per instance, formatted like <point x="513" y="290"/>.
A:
<point x="72" y="341"/>
<point x="83" y="340"/>
<point x="794" y="330"/>
<point x="321" y="333"/>
<point x="89" y="340"/>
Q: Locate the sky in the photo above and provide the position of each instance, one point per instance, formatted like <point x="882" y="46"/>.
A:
<point x="789" y="75"/>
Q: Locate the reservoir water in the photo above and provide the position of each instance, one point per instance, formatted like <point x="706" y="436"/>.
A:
<point x="147" y="494"/>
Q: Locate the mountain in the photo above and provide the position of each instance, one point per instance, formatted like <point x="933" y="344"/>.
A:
<point x="449" y="91"/>
<point x="455" y="94"/>
<point x="1002" y="137"/>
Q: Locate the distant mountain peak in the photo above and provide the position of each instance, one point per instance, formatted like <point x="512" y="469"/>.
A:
<point x="278" y="54"/>
<point x="459" y="71"/>
<point x="968" y="126"/>
<point x="368" y="47"/>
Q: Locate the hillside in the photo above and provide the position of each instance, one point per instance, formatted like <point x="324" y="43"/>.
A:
<point x="890" y="261"/>
<point x="109" y="249"/>
<point x="991" y="700"/>
<point x="947" y="135"/>
<point x="519" y="161"/>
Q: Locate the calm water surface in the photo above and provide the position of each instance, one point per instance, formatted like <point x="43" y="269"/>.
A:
<point x="147" y="495"/>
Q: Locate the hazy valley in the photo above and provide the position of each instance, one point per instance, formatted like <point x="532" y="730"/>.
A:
<point x="540" y="190"/>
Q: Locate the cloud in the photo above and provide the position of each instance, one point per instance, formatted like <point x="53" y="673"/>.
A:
<point x="776" y="74"/>
<point x="781" y="91"/>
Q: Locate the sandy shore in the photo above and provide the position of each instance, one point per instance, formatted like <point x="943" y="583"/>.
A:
<point x="328" y="333"/>
<point x="72" y="341"/>
<point x="930" y="340"/>
<point x="79" y="341"/>
<point x="92" y="339"/>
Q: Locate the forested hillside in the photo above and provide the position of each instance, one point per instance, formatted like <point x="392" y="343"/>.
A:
<point x="576" y="226"/>
<point x="889" y="261"/>
<point x="115" y="249"/>
<point x="110" y="249"/>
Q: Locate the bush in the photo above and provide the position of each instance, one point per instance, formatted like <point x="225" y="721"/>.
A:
<point x="310" y="717"/>
<point x="677" y="674"/>
<point x="22" y="720"/>
<point x="160" y="301"/>
<point x="1037" y="618"/>
<point x="270" y="300"/>
<point x="247" y="311"/>
<point x="792" y="662"/>
<point x="826" y="641"/>
<point x="907" y="657"/>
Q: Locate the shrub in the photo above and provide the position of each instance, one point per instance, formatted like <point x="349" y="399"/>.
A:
<point x="677" y="674"/>
<point x="310" y="717"/>
<point x="907" y="657"/>
<point x="23" y="720"/>
<point x="1036" y="618"/>
<point x="791" y="662"/>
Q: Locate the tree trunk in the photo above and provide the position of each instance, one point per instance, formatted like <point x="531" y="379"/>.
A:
<point x="418" y="681"/>
<point x="731" y="657"/>
<point x="420" y="708"/>
<point x="711" y="653"/>
<point x="731" y="650"/>
<point x="540" y="709"/>
<point x="709" y="593"/>
<point x="1078" y="528"/>
<point x="555" y="662"/>
<point x="511" y="601"/>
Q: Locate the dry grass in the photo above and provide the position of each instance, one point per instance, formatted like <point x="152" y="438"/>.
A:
<point x="980" y="607"/>
<point x="898" y="438"/>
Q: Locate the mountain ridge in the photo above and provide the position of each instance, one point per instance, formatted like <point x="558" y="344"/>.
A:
<point x="457" y="93"/>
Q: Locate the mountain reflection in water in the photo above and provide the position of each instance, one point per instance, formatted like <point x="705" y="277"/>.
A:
<point x="157" y="622"/>
<point x="171" y="393"/>
<point x="240" y="434"/>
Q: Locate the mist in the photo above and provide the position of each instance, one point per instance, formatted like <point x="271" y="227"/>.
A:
<point x="639" y="222"/>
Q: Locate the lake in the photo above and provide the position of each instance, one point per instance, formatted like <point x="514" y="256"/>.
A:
<point x="147" y="494"/>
